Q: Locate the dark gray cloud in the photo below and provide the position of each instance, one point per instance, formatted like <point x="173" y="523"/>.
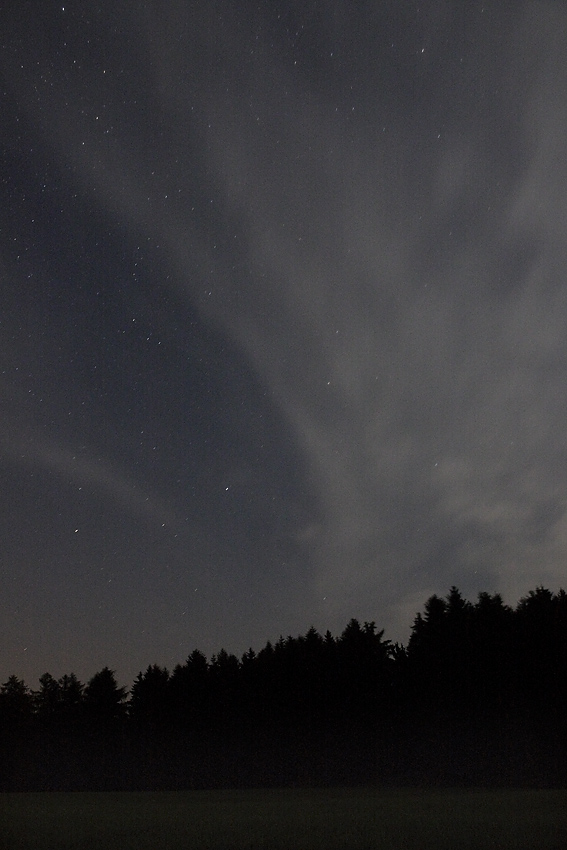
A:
<point x="362" y="219"/>
<point x="421" y="358"/>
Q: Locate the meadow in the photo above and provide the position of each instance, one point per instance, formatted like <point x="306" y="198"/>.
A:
<point x="286" y="819"/>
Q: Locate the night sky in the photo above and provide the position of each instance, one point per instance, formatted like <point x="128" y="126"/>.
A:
<point x="283" y="320"/>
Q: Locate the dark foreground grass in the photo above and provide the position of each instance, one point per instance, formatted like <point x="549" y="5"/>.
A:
<point x="337" y="819"/>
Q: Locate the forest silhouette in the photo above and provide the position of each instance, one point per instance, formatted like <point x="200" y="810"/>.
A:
<point x="477" y="697"/>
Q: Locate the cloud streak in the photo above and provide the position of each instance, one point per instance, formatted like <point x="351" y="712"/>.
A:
<point x="391" y="267"/>
<point x="423" y="359"/>
<point x="81" y="471"/>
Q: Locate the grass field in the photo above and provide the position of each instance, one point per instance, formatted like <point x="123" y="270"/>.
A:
<point x="334" y="819"/>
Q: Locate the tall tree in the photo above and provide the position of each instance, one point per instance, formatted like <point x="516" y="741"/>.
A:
<point x="16" y="701"/>
<point x="104" y="700"/>
<point x="47" y="699"/>
<point x="150" y="698"/>
<point x="189" y="688"/>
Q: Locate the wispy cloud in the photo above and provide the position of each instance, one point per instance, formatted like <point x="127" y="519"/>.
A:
<point x="85" y="472"/>
<point x="393" y="272"/>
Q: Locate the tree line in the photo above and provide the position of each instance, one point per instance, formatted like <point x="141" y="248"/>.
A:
<point x="478" y="696"/>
